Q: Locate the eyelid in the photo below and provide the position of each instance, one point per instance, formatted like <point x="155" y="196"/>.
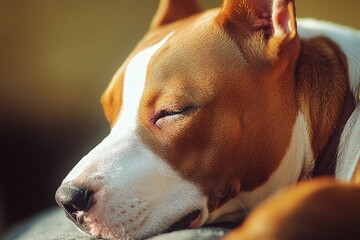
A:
<point x="171" y="112"/>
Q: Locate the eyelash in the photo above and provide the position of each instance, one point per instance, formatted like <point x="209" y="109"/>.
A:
<point x="169" y="112"/>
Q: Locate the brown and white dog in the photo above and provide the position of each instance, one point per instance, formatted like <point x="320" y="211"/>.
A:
<point x="215" y="111"/>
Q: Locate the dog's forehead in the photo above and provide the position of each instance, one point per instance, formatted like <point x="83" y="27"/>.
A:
<point x="195" y="48"/>
<point x="201" y="50"/>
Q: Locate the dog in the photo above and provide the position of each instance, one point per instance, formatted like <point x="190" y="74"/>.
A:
<point x="212" y="113"/>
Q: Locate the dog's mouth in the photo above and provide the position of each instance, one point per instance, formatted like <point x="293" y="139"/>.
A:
<point x="79" y="220"/>
<point x="190" y="220"/>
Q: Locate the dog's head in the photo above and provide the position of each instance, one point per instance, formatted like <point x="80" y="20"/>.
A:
<point x="202" y="115"/>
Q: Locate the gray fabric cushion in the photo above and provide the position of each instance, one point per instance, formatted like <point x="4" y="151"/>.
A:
<point x="194" y="234"/>
<point x="53" y="225"/>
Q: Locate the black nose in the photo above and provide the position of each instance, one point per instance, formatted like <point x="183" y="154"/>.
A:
<point x="73" y="198"/>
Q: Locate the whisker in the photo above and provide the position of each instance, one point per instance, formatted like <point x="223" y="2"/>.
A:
<point x="117" y="169"/>
<point x="243" y="207"/>
<point x="123" y="233"/>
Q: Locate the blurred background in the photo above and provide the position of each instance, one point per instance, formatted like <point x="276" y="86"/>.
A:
<point x="56" y="58"/>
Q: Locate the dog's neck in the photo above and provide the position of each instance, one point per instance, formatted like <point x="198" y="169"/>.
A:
<point x="323" y="95"/>
<point x="326" y="162"/>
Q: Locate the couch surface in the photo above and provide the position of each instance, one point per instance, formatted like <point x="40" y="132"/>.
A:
<point x="53" y="225"/>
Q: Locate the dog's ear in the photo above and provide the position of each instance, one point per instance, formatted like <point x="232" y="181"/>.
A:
<point x="172" y="10"/>
<point x="275" y="20"/>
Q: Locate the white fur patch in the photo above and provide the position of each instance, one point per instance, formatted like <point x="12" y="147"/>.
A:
<point x="297" y="158"/>
<point x="296" y="162"/>
<point x="136" y="193"/>
<point x="349" y="148"/>
<point x="134" y="84"/>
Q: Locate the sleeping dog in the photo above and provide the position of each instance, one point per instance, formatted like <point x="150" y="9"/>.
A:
<point x="212" y="113"/>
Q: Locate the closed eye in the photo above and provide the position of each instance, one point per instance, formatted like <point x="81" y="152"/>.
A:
<point x="172" y="113"/>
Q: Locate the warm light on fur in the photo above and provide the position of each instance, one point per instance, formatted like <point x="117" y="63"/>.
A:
<point x="214" y="112"/>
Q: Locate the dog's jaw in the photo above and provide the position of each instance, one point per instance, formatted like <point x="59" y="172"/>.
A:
<point x="137" y="198"/>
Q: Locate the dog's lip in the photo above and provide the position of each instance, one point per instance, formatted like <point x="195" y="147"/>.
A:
<point x="190" y="220"/>
<point x="78" y="219"/>
<point x="196" y="222"/>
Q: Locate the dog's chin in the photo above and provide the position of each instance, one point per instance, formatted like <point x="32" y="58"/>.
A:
<point x="100" y="231"/>
<point x="105" y="230"/>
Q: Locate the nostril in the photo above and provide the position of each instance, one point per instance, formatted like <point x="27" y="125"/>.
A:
<point x="73" y="198"/>
<point x="69" y="208"/>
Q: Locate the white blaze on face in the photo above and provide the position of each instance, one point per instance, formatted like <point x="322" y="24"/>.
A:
<point x="134" y="84"/>
<point x="136" y="192"/>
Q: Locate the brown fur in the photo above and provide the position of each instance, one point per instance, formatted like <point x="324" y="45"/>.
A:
<point x="111" y="100"/>
<point x="112" y="97"/>
<point x="356" y="176"/>
<point x="322" y="81"/>
<point x="228" y="149"/>
<point x="248" y="91"/>
<point x="235" y="73"/>
<point x="317" y="209"/>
